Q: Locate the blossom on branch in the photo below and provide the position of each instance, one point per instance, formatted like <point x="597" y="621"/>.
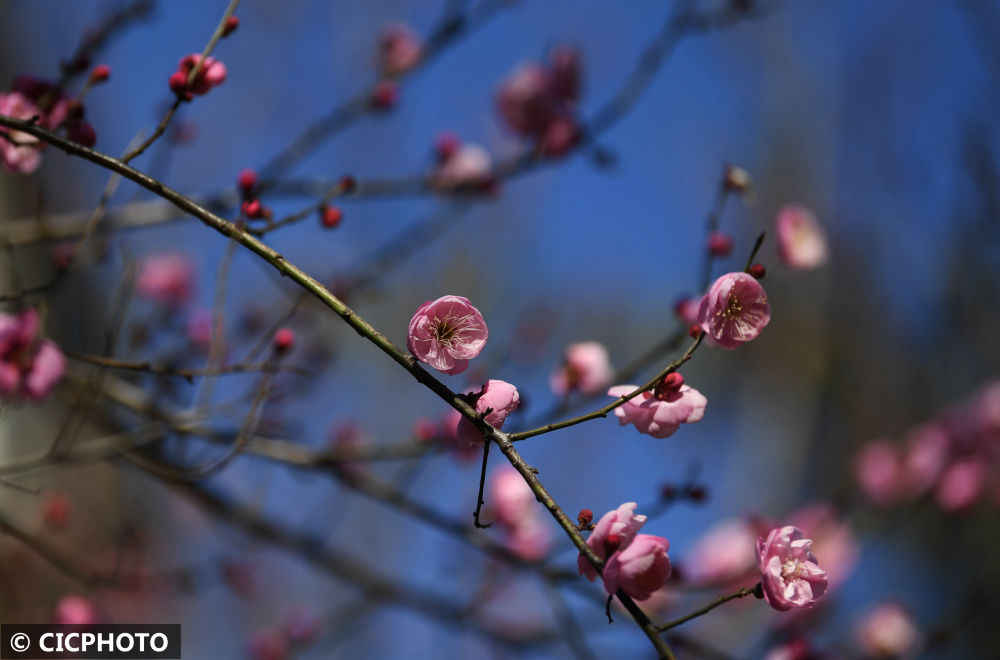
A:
<point x="29" y="365"/>
<point x="446" y="333"/>
<point x="20" y="152"/>
<point x="212" y="73"/>
<point x="399" y="50"/>
<point x="516" y="509"/>
<point x="462" y="167"/>
<point x="500" y="399"/>
<point x="661" y="412"/>
<point x="635" y="563"/>
<point x="735" y="310"/>
<point x="613" y="531"/>
<point x="791" y="576"/>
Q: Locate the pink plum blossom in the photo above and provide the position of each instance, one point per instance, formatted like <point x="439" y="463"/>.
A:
<point x="791" y="576"/>
<point x="531" y="539"/>
<point x="639" y="569"/>
<point x="723" y="554"/>
<point x="446" y="333"/>
<point x="801" y="242"/>
<point x="511" y="499"/>
<point x="586" y="367"/>
<point x="735" y="310"/>
<point x="878" y="471"/>
<point x="497" y="396"/>
<point x="399" y="50"/>
<point x="659" y="415"/>
<point x="166" y="278"/>
<point x="888" y="631"/>
<point x="21" y="152"/>
<point x="961" y="484"/>
<point x="29" y="365"/>
<point x="467" y="167"/>
<point x="613" y="531"/>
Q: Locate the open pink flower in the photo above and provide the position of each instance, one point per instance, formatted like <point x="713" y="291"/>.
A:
<point x="615" y="530"/>
<point x="791" y="576"/>
<point x="586" y="368"/>
<point x="212" y="73"/>
<point x="166" y="278"/>
<point x="639" y="569"/>
<point x="501" y="399"/>
<point x="399" y="50"/>
<point x="447" y="333"/>
<point x="660" y="415"/>
<point x="29" y="365"/>
<point x="468" y="167"/>
<point x="888" y="631"/>
<point x="21" y="152"/>
<point x="801" y="242"/>
<point x="735" y="310"/>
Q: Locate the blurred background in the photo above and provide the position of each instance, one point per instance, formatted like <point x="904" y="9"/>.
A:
<point x="877" y="116"/>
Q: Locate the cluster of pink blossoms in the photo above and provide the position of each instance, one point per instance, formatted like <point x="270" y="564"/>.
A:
<point x="33" y="97"/>
<point x="635" y="563"/>
<point x="539" y="102"/>
<point x="211" y="73"/>
<point x="955" y="457"/>
<point x="513" y="505"/>
<point x="29" y="365"/>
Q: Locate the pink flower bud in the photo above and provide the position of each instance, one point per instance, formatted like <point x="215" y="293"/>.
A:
<point x="720" y="244"/>
<point x="385" y="95"/>
<point x="247" y="181"/>
<point x="399" y="50"/>
<point x="232" y="23"/>
<point x="331" y="216"/>
<point x="252" y="208"/>
<point x="585" y="517"/>
<point x="757" y="271"/>
<point x="100" y="73"/>
<point x="284" y="340"/>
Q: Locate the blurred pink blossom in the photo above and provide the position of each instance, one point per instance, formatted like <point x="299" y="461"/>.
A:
<point x="878" y="471"/>
<point x="832" y="539"/>
<point x="801" y="242"/>
<point x="656" y="416"/>
<point x="723" y="554"/>
<point x="446" y="333"/>
<point x="791" y="576"/>
<point x="467" y="167"/>
<point x="586" y="368"/>
<point x="735" y="310"/>
<point x="961" y="484"/>
<point x="888" y="631"/>
<point x="927" y="453"/>
<point x="21" y="152"/>
<point x="76" y="610"/>
<point x="211" y="74"/>
<point x="166" y="278"/>
<point x="399" y="50"/>
<point x="498" y="396"/>
<point x="29" y="365"/>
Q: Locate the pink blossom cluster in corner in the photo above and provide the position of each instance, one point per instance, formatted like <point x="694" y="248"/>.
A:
<point x="399" y="50"/>
<point x="954" y="457"/>
<point x="513" y="505"/>
<point x="34" y="97"/>
<point x="801" y="241"/>
<point x="791" y="576"/>
<point x="166" y="278"/>
<point x="462" y="167"/>
<point x="539" y="101"/>
<point x="29" y="365"/>
<point x="500" y="399"/>
<point x="211" y="73"/>
<point x="586" y="368"/>
<point x="446" y="333"/>
<point x="637" y="564"/>
<point x="660" y="413"/>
